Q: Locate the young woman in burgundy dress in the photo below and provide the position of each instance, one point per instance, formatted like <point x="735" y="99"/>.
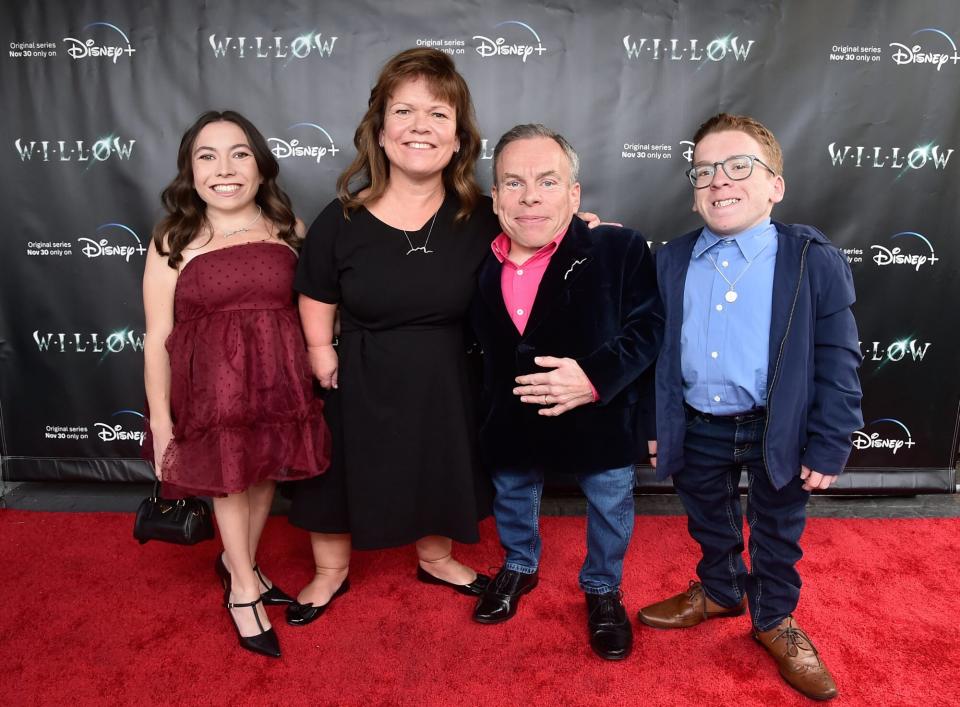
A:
<point x="231" y="409"/>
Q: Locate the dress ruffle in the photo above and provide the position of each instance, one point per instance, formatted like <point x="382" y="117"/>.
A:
<point x="241" y="457"/>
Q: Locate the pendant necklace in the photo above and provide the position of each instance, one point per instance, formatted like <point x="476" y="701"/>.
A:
<point x="243" y="229"/>
<point x="731" y="295"/>
<point x="423" y="248"/>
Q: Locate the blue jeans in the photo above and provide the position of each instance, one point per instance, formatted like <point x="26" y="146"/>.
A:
<point x="715" y="449"/>
<point x="610" y="514"/>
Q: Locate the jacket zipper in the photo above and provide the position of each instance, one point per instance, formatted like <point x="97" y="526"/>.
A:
<point x="776" y="369"/>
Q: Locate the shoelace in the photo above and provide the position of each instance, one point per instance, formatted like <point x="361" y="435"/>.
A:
<point x="796" y="641"/>
<point x="500" y="582"/>
<point x="694" y="589"/>
<point x="606" y="607"/>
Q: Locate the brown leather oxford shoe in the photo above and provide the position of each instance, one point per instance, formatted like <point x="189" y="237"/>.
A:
<point x="798" y="660"/>
<point x="687" y="609"/>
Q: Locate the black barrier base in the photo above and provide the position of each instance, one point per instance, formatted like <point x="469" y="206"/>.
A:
<point x="35" y="469"/>
<point x="857" y="481"/>
<point x="96" y="496"/>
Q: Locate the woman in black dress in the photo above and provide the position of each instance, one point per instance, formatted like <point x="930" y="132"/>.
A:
<point x="398" y="258"/>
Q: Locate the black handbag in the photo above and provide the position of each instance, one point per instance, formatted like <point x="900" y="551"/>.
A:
<point x="185" y="521"/>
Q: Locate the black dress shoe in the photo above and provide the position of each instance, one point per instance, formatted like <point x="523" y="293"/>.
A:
<point x="303" y="614"/>
<point x="611" y="635"/>
<point x="499" y="601"/>
<point x="265" y="642"/>
<point x="272" y="595"/>
<point x="474" y="589"/>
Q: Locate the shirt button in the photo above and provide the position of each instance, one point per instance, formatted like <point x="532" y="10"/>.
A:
<point x="716" y="398"/>
<point x="719" y="307"/>
<point x="520" y="312"/>
<point x="714" y="354"/>
<point x="519" y="272"/>
<point x="725" y="263"/>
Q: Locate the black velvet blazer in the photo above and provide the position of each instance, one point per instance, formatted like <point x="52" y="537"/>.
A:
<point x="598" y="304"/>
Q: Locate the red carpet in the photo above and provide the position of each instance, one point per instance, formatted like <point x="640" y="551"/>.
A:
<point x="90" y="618"/>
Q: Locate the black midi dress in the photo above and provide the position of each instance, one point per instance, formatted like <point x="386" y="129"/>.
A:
<point x="402" y="419"/>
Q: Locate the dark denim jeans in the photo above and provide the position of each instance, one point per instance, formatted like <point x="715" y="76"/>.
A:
<point x="716" y="448"/>
<point x="610" y="513"/>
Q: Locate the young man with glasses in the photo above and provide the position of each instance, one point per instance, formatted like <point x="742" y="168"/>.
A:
<point x="758" y="370"/>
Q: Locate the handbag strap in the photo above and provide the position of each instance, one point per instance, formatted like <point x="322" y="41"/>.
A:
<point x="156" y="495"/>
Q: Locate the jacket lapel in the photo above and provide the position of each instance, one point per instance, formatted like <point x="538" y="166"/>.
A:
<point x="572" y="258"/>
<point x="673" y="280"/>
<point x="491" y="291"/>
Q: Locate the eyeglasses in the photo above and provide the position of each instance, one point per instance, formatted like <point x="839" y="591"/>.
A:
<point x="738" y="168"/>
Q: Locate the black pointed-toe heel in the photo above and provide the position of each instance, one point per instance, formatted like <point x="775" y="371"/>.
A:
<point x="273" y="595"/>
<point x="265" y="642"/>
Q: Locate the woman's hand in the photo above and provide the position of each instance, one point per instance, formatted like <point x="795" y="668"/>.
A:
<point x="324" y="364"/>
<point x="162" y="435"/>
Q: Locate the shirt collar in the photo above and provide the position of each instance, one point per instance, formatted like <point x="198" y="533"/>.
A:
<point x="750" y="242"/>
<point x="501" y="246"/>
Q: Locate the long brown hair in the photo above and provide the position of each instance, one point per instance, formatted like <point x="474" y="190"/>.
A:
<point x="371" y="164"/>
<point x="187" y="212"/>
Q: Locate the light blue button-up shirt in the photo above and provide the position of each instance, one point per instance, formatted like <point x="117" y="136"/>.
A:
<point x="724" y="345"/>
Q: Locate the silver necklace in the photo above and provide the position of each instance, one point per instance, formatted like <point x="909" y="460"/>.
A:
<point x="732" y="295"/>
<point x="422" y="248"/>
<point x="244" y="229"/>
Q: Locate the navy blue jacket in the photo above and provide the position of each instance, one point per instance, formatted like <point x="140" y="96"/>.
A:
<point x="813" y="392"/>
<point x="598" y="304"/>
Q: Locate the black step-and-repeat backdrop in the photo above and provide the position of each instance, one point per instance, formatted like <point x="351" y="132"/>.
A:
<point x="862" y="95"/>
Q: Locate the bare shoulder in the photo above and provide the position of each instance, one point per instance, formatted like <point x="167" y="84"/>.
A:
<point x="202" y="243"/>
<point x="158" y="252"/>
<point x="159" y="279"/>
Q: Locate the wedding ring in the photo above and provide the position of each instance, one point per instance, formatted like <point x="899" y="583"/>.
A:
<point x="544" y="399"/>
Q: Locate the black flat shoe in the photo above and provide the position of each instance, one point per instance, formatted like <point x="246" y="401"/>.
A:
<point x="265" y="642"/>
<point x="303" y="614"/>
<point x="474" y="589"/>
<point x="273" y="596"/>
<point x="500" y="599"/>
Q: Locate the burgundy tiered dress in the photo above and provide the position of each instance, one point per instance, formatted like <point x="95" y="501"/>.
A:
<point x="241" y="389"/>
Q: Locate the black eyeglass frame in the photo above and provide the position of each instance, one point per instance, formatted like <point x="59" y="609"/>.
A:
<point x="722" y="164"/>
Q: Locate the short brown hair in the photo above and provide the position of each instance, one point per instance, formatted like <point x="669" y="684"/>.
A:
<point x="752" y="127"/>
<point x="534" y="130"/>
<point x="371" y="164"/>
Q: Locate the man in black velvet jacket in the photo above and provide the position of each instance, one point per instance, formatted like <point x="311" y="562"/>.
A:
<point x="568" y="319"/>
